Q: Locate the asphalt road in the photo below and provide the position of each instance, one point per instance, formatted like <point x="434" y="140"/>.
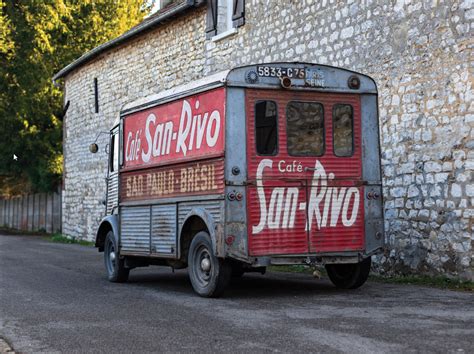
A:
<point x="55" y="298"/>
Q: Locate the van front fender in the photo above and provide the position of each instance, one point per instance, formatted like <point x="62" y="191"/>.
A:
<point x="109" y="223"/>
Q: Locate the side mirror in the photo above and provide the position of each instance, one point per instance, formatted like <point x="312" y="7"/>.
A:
<point x="93" y="148"/>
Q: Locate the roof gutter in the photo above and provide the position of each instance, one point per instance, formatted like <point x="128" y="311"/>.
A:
<point x="134" y="32"/>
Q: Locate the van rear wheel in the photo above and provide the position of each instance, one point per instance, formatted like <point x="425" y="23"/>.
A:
<point x="209" y="275"/>
<point x="349" y="276"/>
<point x="115" y="267"/>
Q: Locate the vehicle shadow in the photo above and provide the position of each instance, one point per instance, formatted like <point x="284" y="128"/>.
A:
<point x="270" y="285"/>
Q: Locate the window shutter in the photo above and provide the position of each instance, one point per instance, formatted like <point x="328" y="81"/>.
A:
<point x="211" y="19"/>
<point x="238" y="13"/>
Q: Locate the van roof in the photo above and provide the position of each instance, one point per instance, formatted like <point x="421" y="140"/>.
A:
<point x="334" y="80"/>
<point x="200" y="85"/>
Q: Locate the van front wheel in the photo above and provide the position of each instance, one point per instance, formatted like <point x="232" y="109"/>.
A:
<point x="209" y="275"/>
<point x="116" y="271"/>
<point x="349" y="276"/>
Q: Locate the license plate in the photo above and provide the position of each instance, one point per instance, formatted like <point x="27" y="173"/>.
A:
<point x="272" y="71"/>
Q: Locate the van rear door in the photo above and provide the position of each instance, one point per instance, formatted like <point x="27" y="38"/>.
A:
<point x="276" y="196"/>
<point x="304" y="172"/>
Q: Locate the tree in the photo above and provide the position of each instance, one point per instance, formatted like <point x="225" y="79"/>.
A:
<point x="37" y="39"/>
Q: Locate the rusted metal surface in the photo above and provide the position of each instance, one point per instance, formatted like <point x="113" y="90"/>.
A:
<point x="211" y="212"/>
<point x="183" y="130"/>
<point x="112" y="192"/>
<point x="163" y="229"/>
<point x="135" y="229"/>
<point x="188" y="152"/>
<point x="301" y="204"/>
<point x="113" y="173"/>
<point x="186" y="179"/>
<point x="212" y="207"/>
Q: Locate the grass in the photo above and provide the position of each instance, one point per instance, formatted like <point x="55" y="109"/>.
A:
<point x="56" y="237"/>
<point x="60" y="238"/>
<point x="441" y="282"/>
<point x="292" y="269"/>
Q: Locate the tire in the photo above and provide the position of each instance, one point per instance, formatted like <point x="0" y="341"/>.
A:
<point x="114" y="266"/>
<point x="208" y="274"/>
<point x="349" y="276"/>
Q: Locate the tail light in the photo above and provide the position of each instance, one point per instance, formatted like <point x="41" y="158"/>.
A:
<point x="229" y="240"/>
<point x="372" y="195"/>
<point x="235" y="196"/>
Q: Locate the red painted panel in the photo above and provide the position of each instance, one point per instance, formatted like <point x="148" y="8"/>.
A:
<point x="338" y="224"/>
<point x="181" y="130"/>
<point x="329" y="203"/>
<point x="280" y="227"/>
<point x="191" y="178"/>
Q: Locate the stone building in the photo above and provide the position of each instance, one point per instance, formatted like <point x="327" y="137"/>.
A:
<point x="419" y="52"/>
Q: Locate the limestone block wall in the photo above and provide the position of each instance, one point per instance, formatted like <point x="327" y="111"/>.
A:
<point x="419" y="52"/>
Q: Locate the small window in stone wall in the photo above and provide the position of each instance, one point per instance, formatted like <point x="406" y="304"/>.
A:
<point x="266" y="128"/>
<point x="223" y="18"/>
<point x="343" y="130"/>
<point x="96" y="96"/>
<point x="305" y="128"/>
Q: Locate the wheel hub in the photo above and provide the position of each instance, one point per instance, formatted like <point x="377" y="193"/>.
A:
<point x="205" y="264"/>
<point x="112" y="256"/>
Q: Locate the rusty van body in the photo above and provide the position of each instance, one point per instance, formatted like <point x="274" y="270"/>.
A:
<point x="260" y="165"/>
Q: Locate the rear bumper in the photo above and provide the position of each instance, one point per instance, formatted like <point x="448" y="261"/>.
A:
<point x="311" y="259"/>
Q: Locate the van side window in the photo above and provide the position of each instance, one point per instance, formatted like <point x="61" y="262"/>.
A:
<point x="113" y="153"/>
<point x="305" y="128"/>
<point x="266" y="127"/>
<point x="343" y="130"/>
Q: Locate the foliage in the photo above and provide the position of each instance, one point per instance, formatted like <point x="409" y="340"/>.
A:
<point x="37" y="39"/>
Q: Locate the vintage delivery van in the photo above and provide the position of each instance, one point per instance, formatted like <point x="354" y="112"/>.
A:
<point x="261" y="165"/>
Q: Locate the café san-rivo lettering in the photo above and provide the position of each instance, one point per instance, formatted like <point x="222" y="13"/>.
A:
<point x="326" y="205"/>
<point x="183" y="129"/>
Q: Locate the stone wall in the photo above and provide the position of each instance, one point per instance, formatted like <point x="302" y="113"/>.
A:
<point x="419" y="53"/>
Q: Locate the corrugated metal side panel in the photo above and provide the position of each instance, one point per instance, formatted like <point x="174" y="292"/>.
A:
<point x="214" y="207"/>
<point x="163" y="229"/>
<point x="135" y="229"/>
<point x="112" y="192"/>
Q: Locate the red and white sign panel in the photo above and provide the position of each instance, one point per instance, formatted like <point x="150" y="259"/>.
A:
<point x="285" y="214"/>
<point x="304" y="204"/>
<point x="190" y="178"/>
<point x="185" y="129"/>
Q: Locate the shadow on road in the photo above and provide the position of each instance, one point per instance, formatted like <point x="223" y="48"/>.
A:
<point x="270" y="285"/>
